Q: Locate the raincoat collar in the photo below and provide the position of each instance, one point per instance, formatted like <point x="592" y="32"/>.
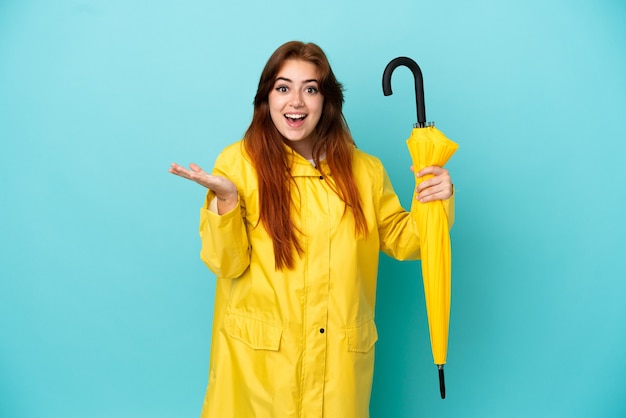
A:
<point x="301" y="167"/>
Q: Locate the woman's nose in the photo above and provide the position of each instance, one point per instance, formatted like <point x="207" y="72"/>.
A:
<point x="297" y="101"/>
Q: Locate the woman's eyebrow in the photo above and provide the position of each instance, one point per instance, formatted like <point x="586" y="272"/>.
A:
<point x="290" y="81"/>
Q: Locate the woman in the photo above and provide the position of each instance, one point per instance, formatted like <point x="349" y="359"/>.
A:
<point x="294" y="221"/>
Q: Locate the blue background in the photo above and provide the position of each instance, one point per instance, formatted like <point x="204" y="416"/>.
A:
<point x="105" y="307"/>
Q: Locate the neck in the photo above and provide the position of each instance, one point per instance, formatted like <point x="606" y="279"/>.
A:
<point x="303" y="147"/>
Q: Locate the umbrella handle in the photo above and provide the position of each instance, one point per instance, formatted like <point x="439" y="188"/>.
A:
<point x="419" y="84"/>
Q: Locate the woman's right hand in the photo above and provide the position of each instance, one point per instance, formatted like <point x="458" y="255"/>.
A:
<point x="224" y="189"/>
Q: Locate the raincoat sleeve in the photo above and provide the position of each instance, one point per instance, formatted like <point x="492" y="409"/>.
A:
<point x="399" y="235"/>
<point x="396" y="229"/>
<point x="225" y="244"/>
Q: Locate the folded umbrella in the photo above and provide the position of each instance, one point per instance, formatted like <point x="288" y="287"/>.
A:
<point x="428" y="146"/>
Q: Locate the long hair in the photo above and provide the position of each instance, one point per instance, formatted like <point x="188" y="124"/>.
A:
<point x="265" y="145"/>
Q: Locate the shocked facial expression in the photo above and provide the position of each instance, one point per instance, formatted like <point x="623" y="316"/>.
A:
<point x="296" y="104"/>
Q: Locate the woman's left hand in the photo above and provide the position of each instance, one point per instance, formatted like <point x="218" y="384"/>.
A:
<point x="438" y="187"/>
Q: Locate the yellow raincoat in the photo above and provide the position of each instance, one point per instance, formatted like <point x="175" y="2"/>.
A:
<point x="300" y="342"/>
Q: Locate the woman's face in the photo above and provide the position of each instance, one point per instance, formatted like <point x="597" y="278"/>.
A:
<point x="296" y="104"/>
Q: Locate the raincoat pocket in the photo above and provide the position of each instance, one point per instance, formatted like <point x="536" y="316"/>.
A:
<point x="256" y="334"/>
<point x="361" y="339"/>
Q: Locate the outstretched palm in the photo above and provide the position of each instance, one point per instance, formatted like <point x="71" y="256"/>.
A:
<point x="224" y="189"/>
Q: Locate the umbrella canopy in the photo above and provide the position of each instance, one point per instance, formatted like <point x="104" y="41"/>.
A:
<point x="428" y="146"/>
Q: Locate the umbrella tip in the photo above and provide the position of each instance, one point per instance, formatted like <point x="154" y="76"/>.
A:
<point x="442" y="382"/>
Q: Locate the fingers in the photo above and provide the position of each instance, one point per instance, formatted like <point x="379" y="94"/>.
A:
<point x="193" y="173"/>
<point x="437" y="187"/>
<point x="196" y="168"/>
<point x="434" y="193"/>
<point x="178" y="170"/>
<point x="434" y="170"/>
<point x="187" y="173"/>
<point x="223" y="187"/>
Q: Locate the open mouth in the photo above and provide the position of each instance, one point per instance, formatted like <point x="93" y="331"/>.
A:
<point x="295" y="118"/>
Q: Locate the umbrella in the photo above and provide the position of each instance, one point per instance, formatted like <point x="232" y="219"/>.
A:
<point x="428" y="146"/>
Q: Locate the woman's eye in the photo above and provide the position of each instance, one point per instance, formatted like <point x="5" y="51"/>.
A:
<point x="312" y="90"/>
<point x="281" y="89"/>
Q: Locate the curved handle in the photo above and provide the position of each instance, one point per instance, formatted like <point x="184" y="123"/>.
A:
<point x="419" y="84"/>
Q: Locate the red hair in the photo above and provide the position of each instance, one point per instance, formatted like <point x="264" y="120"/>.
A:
<point x="265" y="145"/>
